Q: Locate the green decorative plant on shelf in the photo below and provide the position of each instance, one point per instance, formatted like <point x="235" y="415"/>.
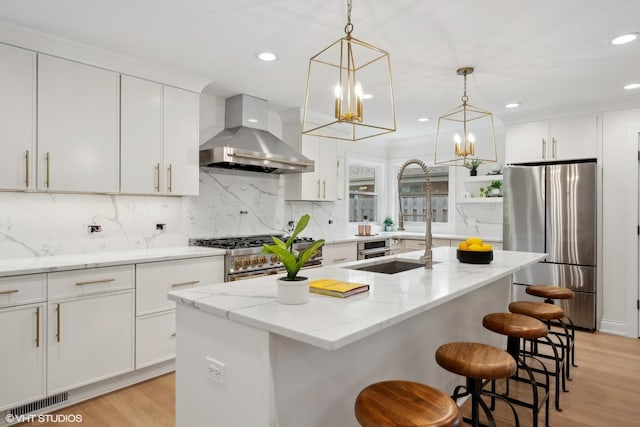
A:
<point x="291" y="259"/>
<point x="472" y="165"/>
<point x="388" y="224"/>
<point x="492" y="190"/>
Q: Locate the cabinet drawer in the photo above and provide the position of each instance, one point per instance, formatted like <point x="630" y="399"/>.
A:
<point x="18" y="290"/>
<point x="413" y="245"/>
<point x="155" y="338"/>
<point x="339" y="252"/>
<point x="155" y="279"/>
<point x="89" y="281"/>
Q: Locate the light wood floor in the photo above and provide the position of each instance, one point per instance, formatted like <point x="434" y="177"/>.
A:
<point x="605" y="392"/>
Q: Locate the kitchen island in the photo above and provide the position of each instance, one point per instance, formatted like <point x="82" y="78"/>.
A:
<point x="244" y="359"/>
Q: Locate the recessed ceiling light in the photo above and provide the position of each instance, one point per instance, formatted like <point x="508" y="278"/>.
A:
<point x="625" y="38"/>
<point x="252" y="120"/>
<point x="512" y="105"/>
<point x="632" y="86"/>
<point x="266" y="56"/>
<point x="423" y="119"/>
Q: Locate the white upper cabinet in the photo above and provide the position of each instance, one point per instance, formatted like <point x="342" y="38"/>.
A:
<point x="321" y="184"/>
<point x="141" y="136"/>
<point x="17" y="118"/>
<point x="78" y="127"/>
<point x="181" y="141"/>
<point x="558" y="139"/>
<point x="159" y="139"/>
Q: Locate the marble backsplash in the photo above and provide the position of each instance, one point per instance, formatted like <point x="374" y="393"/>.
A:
<point x="230" y="203"/>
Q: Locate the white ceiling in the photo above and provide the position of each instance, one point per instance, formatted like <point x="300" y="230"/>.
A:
<point x="553" y="56"/>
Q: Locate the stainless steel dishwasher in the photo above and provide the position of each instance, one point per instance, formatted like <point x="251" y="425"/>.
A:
<point x="374" y="248"/>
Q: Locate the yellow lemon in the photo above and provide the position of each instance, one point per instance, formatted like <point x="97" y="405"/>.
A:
<point x="474" y="241"/>
<point x="486" y="247"/>
<point x="462" y="246"/>
<point x="475" y="247"/>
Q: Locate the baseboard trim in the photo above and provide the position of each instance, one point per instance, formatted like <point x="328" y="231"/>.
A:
<point x="613" y="327"/>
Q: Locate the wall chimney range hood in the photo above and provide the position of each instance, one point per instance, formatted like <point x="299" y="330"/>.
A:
<point x="246" y="144"/>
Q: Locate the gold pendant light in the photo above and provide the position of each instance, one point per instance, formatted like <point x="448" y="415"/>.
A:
<point x="349" y="91"/>
<point x="465" y="133"/>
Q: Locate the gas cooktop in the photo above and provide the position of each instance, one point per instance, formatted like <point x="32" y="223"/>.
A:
<point x="242" y="242"/>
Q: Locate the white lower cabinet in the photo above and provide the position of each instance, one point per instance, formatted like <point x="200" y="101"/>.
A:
<point x="23" y="341"/>
<point x="22" y="338"/>
<point x="337" y="253"/>
<point x="155" y="338"/>
<point x="89" y="333"/>
<point x="155" y="313"/>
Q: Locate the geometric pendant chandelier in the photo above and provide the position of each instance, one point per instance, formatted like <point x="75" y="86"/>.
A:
<point x="465" y="133"/>
<point x="349" y="92"/>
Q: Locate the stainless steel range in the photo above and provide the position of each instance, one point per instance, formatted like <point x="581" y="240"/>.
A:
<point x="244" y="258"/>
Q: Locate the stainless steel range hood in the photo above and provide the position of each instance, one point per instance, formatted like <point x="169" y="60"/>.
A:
<point x="246" y="144"/>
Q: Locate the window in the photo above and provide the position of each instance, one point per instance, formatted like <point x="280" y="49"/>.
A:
<point x="363" y="193"/>
<point x="412" y="189"/>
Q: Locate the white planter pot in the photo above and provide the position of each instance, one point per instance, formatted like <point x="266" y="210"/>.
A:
<point x="293" y="291"/>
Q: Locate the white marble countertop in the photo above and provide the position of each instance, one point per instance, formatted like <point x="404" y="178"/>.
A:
<point x="45" y="264"/>
<point x="409" y="235"/>
<point x="331" y="323"/>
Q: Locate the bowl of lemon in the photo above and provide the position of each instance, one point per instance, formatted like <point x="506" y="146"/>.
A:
<point x="474" y="251"/>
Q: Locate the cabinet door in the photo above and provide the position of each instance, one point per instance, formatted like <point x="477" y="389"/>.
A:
<point x="574" y="137"/>
<point x="181" y="141"/>
<point x="311" y="185"/>
<point x="141" y="136"/>
<point x="155" y="338"/>
<point x="78" y="127"/>
<point x="528" y="142"/>
<point x="89" y="339"/>
<point x="22" y="367"/>
<point x="326" y="165"/>
<point x="17" y="118"/>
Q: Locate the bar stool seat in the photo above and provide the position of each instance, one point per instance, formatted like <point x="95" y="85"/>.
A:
<point x="477" y="362"/>
<point x="405" y="403"/>
<point x="538" y="310"/>
<point x="550" y="292"/>
<point x="518" y="327"/>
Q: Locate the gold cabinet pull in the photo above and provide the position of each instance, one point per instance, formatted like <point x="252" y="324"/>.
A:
<point x="26" y="163"/>
<point x="318" y="182"/>
<point x="9" y="291"/>
<point x="173" y="335"/>
<point x="47" y="159"/>
<point x="95" y="282"/>
<point x="544" y="148"/>
<point x="324" y="188"/>
<point x="553" y="148"/>
<point x="58" y="322"/>
<point x="37" y="326"/>
<point x="170" y="176"/>
<point x="193" y="282"/>
<point x="157" y="177"/>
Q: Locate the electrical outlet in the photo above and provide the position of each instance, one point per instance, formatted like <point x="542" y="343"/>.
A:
<point x="216" y="370"/>
<point x="161" y="227"/>
<point x="95" y="228"/>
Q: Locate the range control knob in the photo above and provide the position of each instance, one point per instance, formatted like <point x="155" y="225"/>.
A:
<point x="263" y="259"/>
<point x="246" y="262"/>
<point x="238" y="263"/>
<point x="275" y="258"/>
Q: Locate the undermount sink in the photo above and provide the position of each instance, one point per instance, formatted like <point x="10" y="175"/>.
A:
<point x="390" y="267"/>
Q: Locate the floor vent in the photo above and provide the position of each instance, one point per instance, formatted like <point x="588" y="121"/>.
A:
<point x="38" y="404"/>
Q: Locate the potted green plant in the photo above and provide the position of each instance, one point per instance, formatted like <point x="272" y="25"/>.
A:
<point x="494" y="189"/>
<point x="293" y="289"/>
<point x="388" y="224"/>
<point x="472" y="165"/>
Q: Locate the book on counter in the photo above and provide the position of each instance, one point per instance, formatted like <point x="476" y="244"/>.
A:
<point x="336" y="288"/>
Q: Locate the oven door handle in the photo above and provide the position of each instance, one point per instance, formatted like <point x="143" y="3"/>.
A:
<point x="374" y="251"/>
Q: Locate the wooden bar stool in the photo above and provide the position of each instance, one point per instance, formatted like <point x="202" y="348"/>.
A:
<point x="545" y="313"/>
<point x="405" y="403"/>
<point x="550" y="294"/>
<point x="477" y="362"/>
<point x="518" y="327"/>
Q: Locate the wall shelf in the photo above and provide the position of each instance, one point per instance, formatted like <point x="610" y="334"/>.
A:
<point x="481" y="200"/>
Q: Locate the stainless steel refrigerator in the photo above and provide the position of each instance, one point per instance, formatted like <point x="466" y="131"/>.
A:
<point x="551" y="208"/>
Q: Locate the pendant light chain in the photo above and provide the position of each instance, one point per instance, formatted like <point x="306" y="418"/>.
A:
<point x="349" y="27"/>
<point x="465" y="98"/>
